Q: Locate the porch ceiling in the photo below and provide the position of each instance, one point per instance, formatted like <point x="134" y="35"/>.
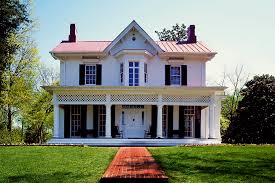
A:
<point x="182" y="90"/>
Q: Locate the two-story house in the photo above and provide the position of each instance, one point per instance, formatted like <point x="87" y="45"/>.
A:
<point x="134" y="90"/>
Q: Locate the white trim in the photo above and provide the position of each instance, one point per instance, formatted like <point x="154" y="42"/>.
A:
<point x="133" y="24"/>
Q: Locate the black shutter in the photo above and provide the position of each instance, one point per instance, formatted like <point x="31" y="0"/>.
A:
<point x="95" y="113"/>
<point x="181" y="121"/>
<point x="81" y="74"/>
<point x="170" y="121"/>
<point x="83" y="120"/>
<point x="113" y="121"/>
<point x="98" y="74"/>
<point x="184" y="75"/>
<point x="66" y="121"/>
<point x="154" y="117"/>
<point x="198" y="122"/>
<point x="167" y="74"/>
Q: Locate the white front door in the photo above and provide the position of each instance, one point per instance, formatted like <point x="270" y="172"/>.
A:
<point x="134" y="123"/>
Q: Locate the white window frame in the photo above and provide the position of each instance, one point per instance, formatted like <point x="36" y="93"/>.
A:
<point x="101" y="120"/>
<point x="175" y="66"/>
<point x="134" y="73"/>
<point x="189" y="111"/>
<point x="90" y="65"/>
<point x="75" y="120"/>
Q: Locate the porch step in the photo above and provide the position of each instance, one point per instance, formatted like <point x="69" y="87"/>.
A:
<point x="132" y="142"/>
<point x="133" y="164"/>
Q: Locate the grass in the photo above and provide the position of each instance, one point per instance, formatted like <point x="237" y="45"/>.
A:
<point x="217" y="163"/>
<point x="53" y="164"/>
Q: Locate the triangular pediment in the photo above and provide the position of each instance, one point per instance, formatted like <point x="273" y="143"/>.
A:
<point x="133" y="37"/>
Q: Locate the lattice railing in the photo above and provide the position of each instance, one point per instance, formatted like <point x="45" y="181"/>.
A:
<point x="81" y="98"/>
<point x="130" y="98"/>
<point x="180" y="98"/>
<point x="133" y="98"/>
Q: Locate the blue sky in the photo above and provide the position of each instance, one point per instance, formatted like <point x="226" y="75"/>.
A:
<point x="242" y="32"/>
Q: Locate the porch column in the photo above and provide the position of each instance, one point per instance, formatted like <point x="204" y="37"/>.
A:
<point x="159" y="121"/>
<point x="56" y="117"/>
<point x="211" y="121"/>
<point x="108" y="121"/>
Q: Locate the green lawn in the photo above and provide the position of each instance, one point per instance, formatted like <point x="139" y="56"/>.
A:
<point x="54" y="164"/>
<point x="217" y="163"/>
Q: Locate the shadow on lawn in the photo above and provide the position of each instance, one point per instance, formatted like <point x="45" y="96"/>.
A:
<point x="54" y="177"/>
<point x="243" y="168"/>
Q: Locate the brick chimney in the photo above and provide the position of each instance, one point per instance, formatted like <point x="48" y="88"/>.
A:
<point x="72" y="36"/>
<point x="191" y="36"/>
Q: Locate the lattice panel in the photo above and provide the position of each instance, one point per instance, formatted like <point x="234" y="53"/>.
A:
<point x="81" y="98"/>
<point x="175" y="98"/>
<point x="134" y="98"/>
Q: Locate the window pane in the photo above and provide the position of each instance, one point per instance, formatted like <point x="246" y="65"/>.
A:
<point x="130" y="64"/>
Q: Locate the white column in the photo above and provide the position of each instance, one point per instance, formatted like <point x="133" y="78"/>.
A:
<point x="56" y="117"/>
<point x="159" y="121"/>
<point x="108" y="121"/>
<point x="211" y="121"/>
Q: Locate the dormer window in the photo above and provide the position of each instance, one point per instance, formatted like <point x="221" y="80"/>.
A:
<point x="133" y="73"/>
<point x="175" y="78"/>
<point x="90" y="74"/>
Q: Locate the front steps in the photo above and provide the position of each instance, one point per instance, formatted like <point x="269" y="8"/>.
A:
<point x="132" y="142"/>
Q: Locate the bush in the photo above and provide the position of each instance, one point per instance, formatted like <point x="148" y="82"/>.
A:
<point x="13" y="137"/>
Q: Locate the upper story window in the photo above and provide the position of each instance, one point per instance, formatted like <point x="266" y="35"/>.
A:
<point x="175" y="78"/>
<point x="90" y="74"/>
<point x="121" y="72"/>
<point x="145" y="73"/>
<point x="133" y="73"/>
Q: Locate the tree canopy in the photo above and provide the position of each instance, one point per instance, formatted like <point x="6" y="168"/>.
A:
<point x="177" y="33"/>
<point x="254" y="121"/>
<point x="14" y="17"/>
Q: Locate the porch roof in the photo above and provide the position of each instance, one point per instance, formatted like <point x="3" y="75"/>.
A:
<point x="182" y="90"/>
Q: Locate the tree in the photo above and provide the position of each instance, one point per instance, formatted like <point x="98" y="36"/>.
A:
<point x="254" y="121"/>
<point x="236" y="81"/>
<point x="14" y="17"/>
<point x="19" y="78"/>
<point x="177" y="33"/>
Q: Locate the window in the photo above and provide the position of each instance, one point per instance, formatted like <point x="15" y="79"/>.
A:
<point x="123" y="118"/>
<point x="189" y="118"/>
<point x="175" y="78"/>
<point x="164" y="120"/>
<point x="75" y="120"/>
<point x="133" y="73"/>
<point x="90" y="74"/>
<point x="121" y="72"/>
<point x="102" y="120"/>
<point x="142" y="116"/>
<point x="145" y="73"/>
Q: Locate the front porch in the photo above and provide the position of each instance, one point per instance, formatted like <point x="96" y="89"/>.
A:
<point x="144" y="116"/>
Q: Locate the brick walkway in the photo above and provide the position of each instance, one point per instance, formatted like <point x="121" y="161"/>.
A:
<point x="133" y="164"/>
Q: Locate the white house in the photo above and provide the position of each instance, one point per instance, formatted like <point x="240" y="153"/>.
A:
<point x="134" y="90"/>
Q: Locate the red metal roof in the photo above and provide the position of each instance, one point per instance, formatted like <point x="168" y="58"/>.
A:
<point x="99" y="46"/>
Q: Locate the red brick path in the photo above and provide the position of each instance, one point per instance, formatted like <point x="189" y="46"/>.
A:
<point x="133" y="164"/>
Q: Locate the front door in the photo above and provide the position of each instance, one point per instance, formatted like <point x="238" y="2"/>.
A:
<point x="134" y="123"/>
